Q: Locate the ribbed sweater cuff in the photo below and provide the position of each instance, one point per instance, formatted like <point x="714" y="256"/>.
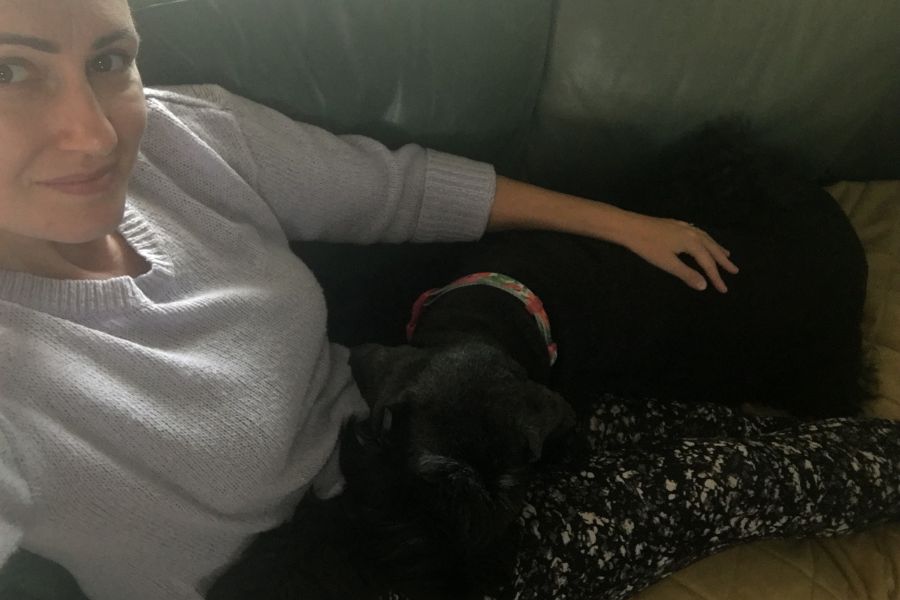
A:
<point x="9" y="539"/>
<point x="459" y="193"/>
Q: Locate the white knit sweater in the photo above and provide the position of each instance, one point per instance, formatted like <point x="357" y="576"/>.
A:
<point x="150" y="426"/>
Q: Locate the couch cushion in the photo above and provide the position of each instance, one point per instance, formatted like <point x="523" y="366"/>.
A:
<point x="874" y="210"/>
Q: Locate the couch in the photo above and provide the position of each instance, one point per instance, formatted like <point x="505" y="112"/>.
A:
<point x="555" y="90"/>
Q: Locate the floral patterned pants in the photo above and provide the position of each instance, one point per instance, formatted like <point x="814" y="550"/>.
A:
<point x="664" y="485"/>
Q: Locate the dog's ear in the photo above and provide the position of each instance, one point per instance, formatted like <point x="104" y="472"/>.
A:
<point x="543" y="414"/>
<point x="367" y="362"/>
<point x="383" y="372"/>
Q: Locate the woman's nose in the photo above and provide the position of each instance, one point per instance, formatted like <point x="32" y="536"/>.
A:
<point x="82" y="123"/>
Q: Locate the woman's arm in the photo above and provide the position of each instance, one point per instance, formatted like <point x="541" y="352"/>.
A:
<point x="659" y="241"/>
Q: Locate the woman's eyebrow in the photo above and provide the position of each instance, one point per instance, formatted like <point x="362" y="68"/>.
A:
<point x="115" y="36"/>
<point x="43" y="45"/>
<point x="29" y="41"/>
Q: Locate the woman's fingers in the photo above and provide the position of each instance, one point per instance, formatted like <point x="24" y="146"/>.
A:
<point x="720" y="254"/>
<point x="711" y="268"/>
<point x="709" y="255"/>
<point x="705" y="251"/>
<point x="662" y="241"/>
<point x="683" y="272"/>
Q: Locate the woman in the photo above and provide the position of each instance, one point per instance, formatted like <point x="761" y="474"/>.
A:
<point x="167" y="386"/>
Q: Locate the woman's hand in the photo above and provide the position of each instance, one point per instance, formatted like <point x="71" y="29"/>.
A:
<point x="659" y="241"/>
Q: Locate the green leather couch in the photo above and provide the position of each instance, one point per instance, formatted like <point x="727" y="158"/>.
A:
<point x="543" y="88"/>
<point x="553" y="91"/>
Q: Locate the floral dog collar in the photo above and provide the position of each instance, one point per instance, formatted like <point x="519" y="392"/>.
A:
<point x="532" y="303"/>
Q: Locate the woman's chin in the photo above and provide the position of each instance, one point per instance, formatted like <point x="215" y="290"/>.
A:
<point x="85" y="231"/>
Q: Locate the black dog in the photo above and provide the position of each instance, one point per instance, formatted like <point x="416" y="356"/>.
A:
<point x="460" y="414"/>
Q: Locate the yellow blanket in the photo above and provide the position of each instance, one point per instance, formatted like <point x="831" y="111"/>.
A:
<point x="865" y="566"/>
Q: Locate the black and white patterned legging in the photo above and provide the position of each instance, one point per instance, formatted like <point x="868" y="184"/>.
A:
<point x="666" y="484"/>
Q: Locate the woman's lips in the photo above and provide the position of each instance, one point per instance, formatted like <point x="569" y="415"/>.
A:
<point x="83" y="184"/>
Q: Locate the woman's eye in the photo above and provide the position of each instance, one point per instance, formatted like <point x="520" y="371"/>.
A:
<point x="12" y="73"/>
<point x="110" y="63"/>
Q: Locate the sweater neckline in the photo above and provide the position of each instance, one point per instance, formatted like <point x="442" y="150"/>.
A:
<point x="73" y="297"/>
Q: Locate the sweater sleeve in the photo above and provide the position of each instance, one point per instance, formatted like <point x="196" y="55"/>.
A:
<point x="14" y="498"/>
<point x="349" y="188"/>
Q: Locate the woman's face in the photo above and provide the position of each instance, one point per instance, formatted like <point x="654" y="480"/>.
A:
<point x="71" y="117"/>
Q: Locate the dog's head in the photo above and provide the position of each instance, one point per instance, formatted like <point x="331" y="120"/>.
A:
<point x="438" y="470"/>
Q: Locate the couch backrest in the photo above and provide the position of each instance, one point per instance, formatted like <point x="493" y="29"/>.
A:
<point x="551" y="89"/>
<point x="819" y="78"/>
<point x="458" y="75"/>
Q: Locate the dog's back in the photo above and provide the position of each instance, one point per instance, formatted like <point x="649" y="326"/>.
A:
<point x="787" y="333"/>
